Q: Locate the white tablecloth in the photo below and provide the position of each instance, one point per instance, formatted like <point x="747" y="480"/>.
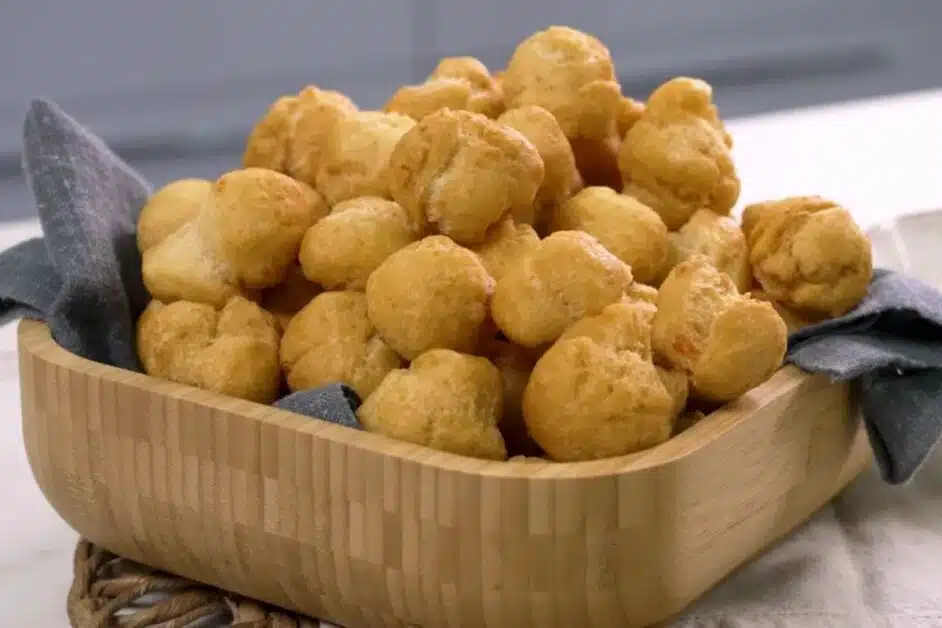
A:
<point x="872" y="559"/>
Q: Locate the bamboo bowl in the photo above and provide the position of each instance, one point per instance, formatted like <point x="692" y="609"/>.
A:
<point x="360" y="530"/>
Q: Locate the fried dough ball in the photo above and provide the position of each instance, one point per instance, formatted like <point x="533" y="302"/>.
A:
<point x="288" y="297"/>
<point x="356" y="155"/>
<point x="232" y="351"/>
<point x="184" y="267"/>
<point x="586" y="400"/>
<point x="809" y="254"/>
<point x="488" y="97"/>
<point x="456" y="83"/>
<point x="290" y="136"/>
<point x="626" y="227"/>
<point x="676" y="158"/>
<point x="257" y="220"/>
<point x="626" y="326"/>
<point x="340" y="251"/>
<point x="570" y="74"/>
<point x="629" y="111"/>
<point x="331" y="340"/>
<point x="444" y="400"/>
<point x="505" y="246"/>
<point x="245" y="238"/>
<point x="641" y="292"/>
<point x="717" y="237"/>
<point x="432" y="294"/>
<point x="460" y="172"/>
<point x="728" y="343"/>
<point x="560" y="176"/>
<point x="570" y="275"/>
<point x="169" y="208"/>
<point x="623" y="326"/>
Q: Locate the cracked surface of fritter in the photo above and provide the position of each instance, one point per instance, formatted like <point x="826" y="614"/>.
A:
<point x="444" y="400"/>
<point x="432" y="294"/>
<point x="332" y="340"/>
<point x="232" y="351"/>
<point x="728" y="343"/>
<point x="809" y="254"/>
<point x="459" y="173"/>
<point x="570" y="275"/>
<point x="676" y="157"/>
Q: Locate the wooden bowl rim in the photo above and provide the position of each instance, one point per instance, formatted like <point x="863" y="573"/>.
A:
<point x="34" y="339"/>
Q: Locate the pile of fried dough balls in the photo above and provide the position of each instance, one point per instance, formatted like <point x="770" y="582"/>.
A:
<point x="524" y="263"/>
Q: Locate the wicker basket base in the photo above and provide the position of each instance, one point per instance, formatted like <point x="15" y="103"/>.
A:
<point x="109" y="591"/>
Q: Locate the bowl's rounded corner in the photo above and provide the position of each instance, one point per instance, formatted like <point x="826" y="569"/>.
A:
<point x="71" y="495"/>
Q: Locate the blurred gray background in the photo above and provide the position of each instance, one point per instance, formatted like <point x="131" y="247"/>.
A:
<point x="175" y="85"/>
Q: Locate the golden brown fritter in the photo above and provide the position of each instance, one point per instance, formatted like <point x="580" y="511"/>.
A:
<point x="184" y="267"/>
<point x="290" y="136"/>
<point x="809" y="254"/>
<point x="585" y="400"/>
<point x="626" y="326"/>
<point x="571" y="275"/>
<point x="169" y="208"/>
<point x="457" y="83"/>
<point x="233" y="351"/>
<point x="340" y="251"/>
<point x="717" y="237"/>
<point x="676" y="158"/>
<point x="459" y="173"/>
<point x="570" y="74"/>
<point x="630" y="230"/>
<point x="257" y="220"/>
<point x="355" y="157"/>
<point x="505" y="246"/>
<point x="728" y="343"/>
<point x="444" y="400"/>
<point x="269" y="142"/>
<point x="487" y="96"/>
<point x="432" y="294"/>
<point x="331" y="340"/>
<point x="246" y="238"/>
<point x="560" y="177"/>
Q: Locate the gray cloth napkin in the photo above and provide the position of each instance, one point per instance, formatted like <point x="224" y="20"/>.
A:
<point x="891" y="345"/>
<point x="83" y="278"/>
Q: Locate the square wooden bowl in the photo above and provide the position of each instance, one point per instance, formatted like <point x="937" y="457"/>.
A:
<point x="365" y="531"/>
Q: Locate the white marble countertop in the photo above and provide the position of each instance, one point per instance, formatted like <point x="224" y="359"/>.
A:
<point x="873" y="156"/>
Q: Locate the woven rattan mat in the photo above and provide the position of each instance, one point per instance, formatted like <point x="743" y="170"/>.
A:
<point x="109" y="591"/>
